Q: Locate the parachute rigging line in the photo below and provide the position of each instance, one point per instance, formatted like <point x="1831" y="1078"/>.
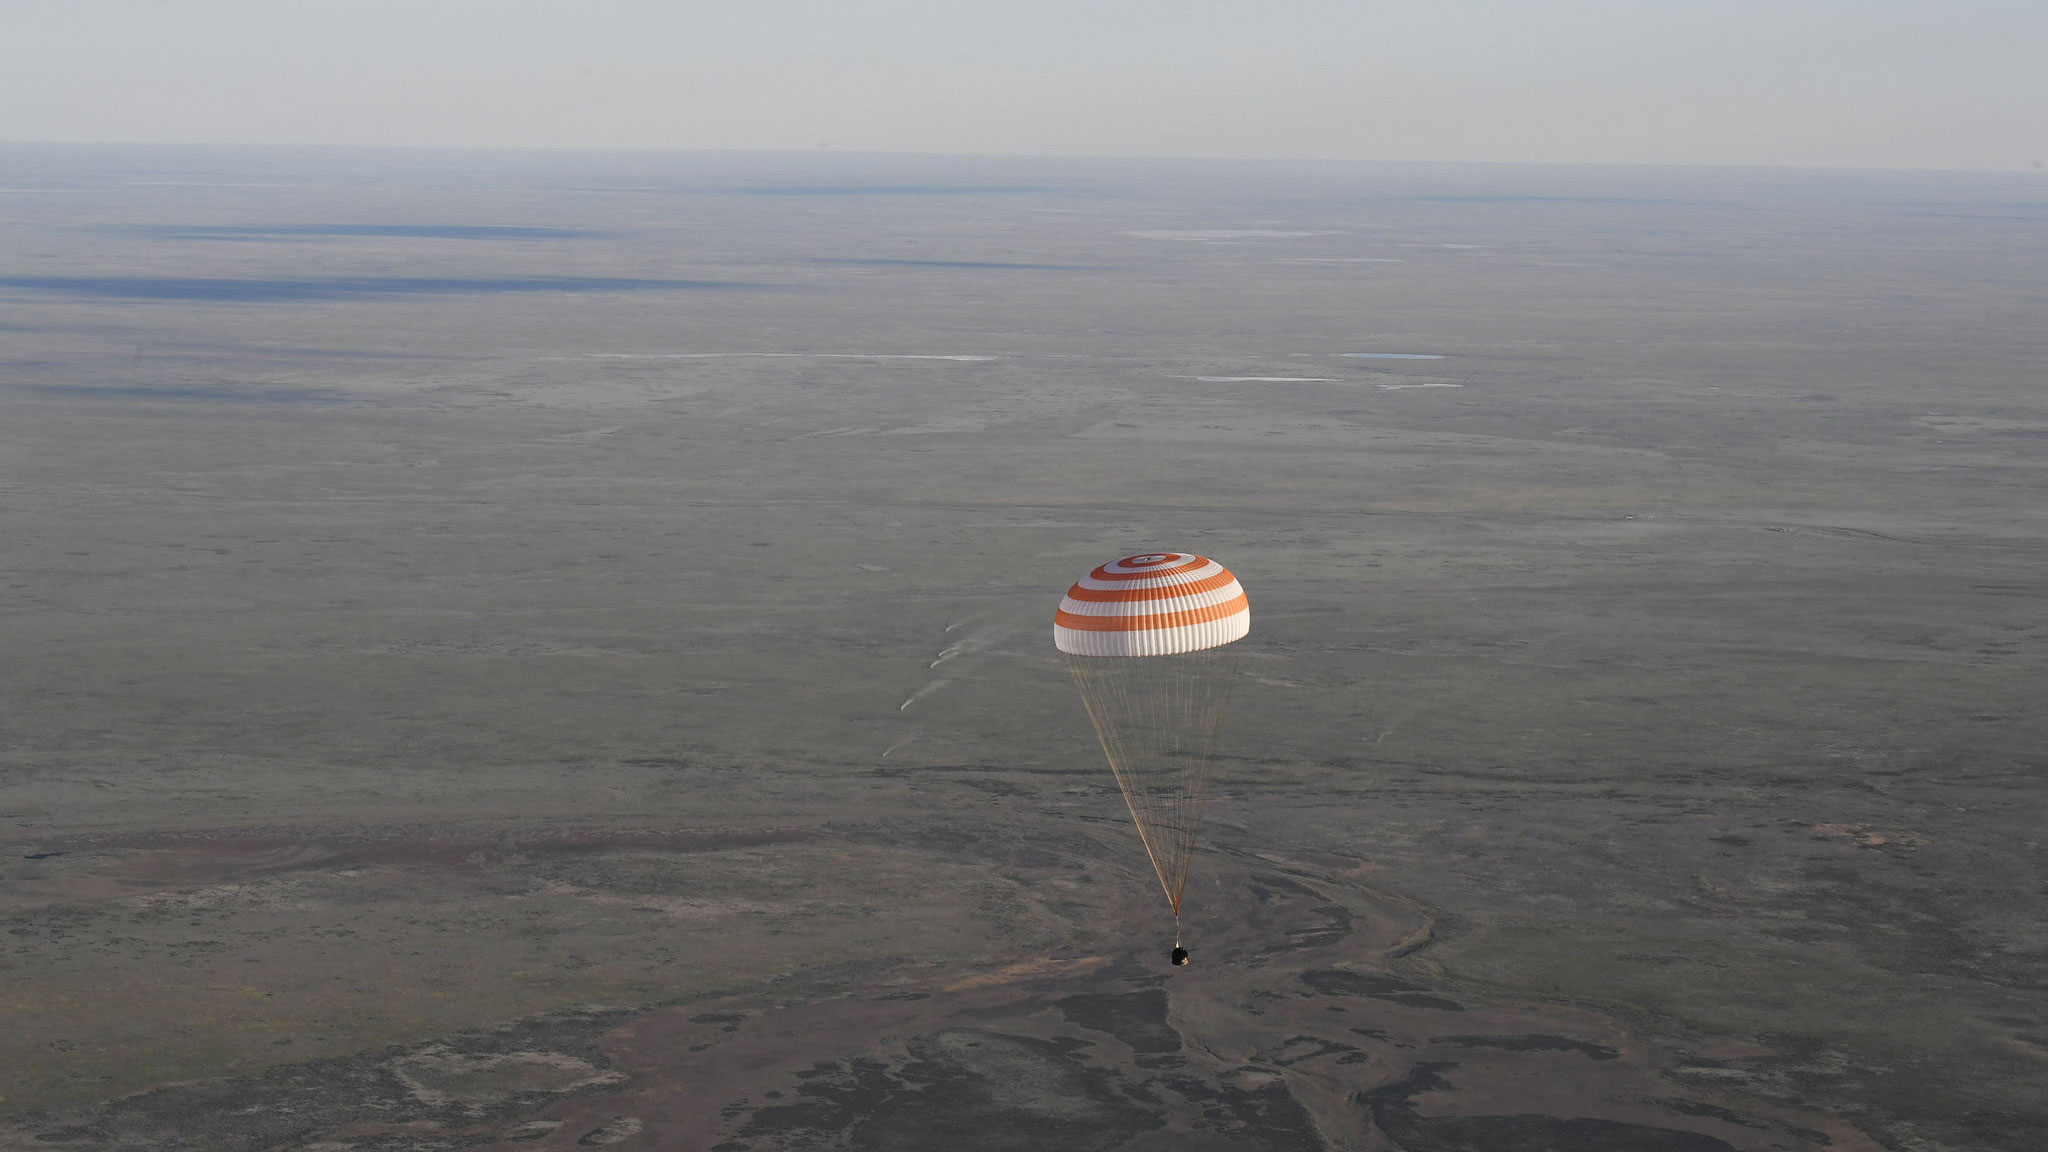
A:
<point x="1158" y="719"/>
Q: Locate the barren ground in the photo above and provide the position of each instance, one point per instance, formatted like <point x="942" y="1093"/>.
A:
<point x="551" y="651"/>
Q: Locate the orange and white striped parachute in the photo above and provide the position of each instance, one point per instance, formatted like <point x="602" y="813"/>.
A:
<point x="1158" y="604"/>
<point x="1148" y="641"/>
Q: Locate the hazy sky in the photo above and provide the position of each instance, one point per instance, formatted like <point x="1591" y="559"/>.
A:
<point x="1857" y="83"/>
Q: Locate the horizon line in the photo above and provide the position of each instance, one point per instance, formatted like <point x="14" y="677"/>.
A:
<point x="2033" y="168"/>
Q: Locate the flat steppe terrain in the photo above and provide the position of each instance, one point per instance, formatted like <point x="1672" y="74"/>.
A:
<point x="552" y="650"/>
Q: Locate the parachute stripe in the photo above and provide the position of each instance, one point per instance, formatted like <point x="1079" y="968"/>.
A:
<point x="1146" y="609"/>
<point x="1153" y="641"/>
<point x="1152" y="589"/>
<point x="1177" y="619"/>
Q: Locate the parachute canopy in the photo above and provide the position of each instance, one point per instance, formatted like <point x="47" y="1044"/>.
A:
<point x="1157" y="604"/>
<point x="1172" y="614"/>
